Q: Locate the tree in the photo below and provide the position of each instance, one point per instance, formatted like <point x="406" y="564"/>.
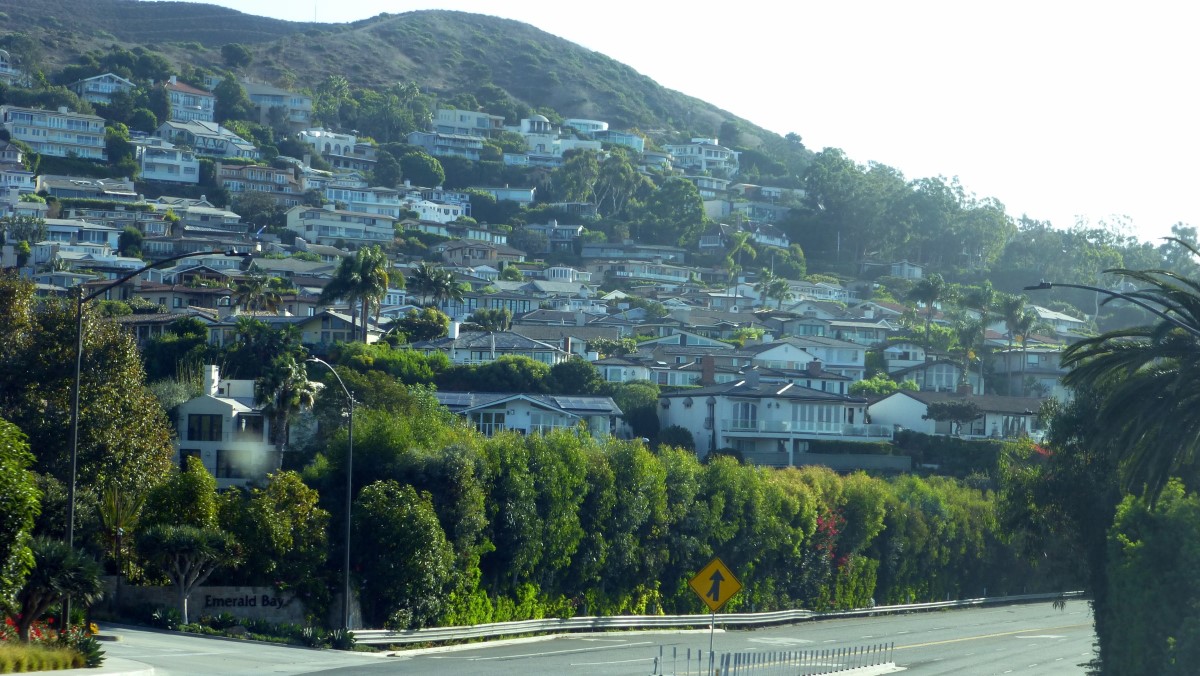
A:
<point x="575" y="376"/>
<point x="739" y="243"/>
<point x="186" y="498"/>
<point x="188" y="555"/>
<point x="236" y="55"/>
<point x="58" y="571"/>
<point x="954" y="412"/>
<point x="387" y="172"/>
<point x="129" y="243"/>
<point x="881" y="385"/>
<point x="772" y="286"/>
<point x="422" y="169"/>
<point x="362" y="279"/>
<point x="232" y="101"/>
<point x="254" y="292"/>
<point x="120" y="516"/>
<point x="282" y="390"/>
<point x="1149" y="377"/>
<point x="256" y="208"/>
<point x="512" y="273"/>
<point x="21" y="505"/>
<point x="492" y="319"/>
<point x="672" y="214"/>
<point x="434" y="284"/>
<point x="426" y="324"/>
<point x="612" y="347"/>
<point x="929" y="291"/>
<point x="404" y="557"/>
<point x="509" y="373"/>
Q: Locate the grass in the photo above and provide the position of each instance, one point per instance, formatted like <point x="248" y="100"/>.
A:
<point x="17" y="658"/>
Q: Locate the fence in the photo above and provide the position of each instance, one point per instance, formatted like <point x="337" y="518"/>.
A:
<point x="436" y="635"/>
<point x="771" y="663"/>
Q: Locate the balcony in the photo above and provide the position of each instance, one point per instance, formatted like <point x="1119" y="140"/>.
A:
<point x="805" y="428"/>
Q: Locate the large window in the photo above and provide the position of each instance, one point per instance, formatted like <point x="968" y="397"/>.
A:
<point x="817" y="417"/>
<point x="232" y="464"/>
<point x="204" y="427"/>
<point x="545" y="422"/>
<point x="745" y="416"/>
<point x="490" y="422"/>
<point x="248" y="427"/>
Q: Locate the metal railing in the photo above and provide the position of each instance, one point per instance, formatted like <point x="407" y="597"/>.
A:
<point x="793" y="426"/>
<point x="772" y="662"/>
<point x="437" y="635"/>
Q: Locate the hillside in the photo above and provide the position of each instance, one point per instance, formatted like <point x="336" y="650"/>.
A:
<point x="443" y="52"/>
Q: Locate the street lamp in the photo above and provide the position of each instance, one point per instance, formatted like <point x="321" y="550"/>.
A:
<point x="1174" y="321"/>
<point x="81" y="300"/>
<point x="349" y="495"/>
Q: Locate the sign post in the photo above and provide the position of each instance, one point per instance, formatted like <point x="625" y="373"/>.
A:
<point x="714" y="584"/>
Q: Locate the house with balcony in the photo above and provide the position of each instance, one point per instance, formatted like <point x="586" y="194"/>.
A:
<point x="1000" y="417"/>
<point x="276" y="104"/>
<point x="58" y="133"/>
<point x="621" y="138"/>
<point x="559" y="237"/>
<point x="704" y="155"/>
<point x="471" y="253"/>
<point x="1031" y="371"/>
<point x="376" y="200"/>
<point x="640" y="271"/>
<point x="326" y="225"/>
<point x="161" y="161"/>
<point x="768" y="423"/>
<point x="9" y="73"/>
<point x="448" y="145"/>
<point x="492" y="413"/>
<point x="200" y="213"/>
<point x="207" y="139"/>
<point x="512" y="194"/>
<point x="281" y="185"/>
<point x="467" y="123"/>
<point x="101" y="88"/>
<point x="226" y="430"/>
<point x="188" y="103"/>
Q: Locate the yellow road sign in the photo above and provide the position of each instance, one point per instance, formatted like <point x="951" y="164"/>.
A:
<point x="715" y="584"/>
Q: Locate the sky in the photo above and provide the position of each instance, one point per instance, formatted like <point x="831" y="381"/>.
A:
<point x="1065" y="111"/>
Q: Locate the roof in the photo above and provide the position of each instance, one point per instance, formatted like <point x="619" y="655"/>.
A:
<point x="187" y="89"/>
<point x="988" y="403"/>
<point x="744" y="389"/>
<point x="485" y="340"/>
<point x="465" y="402"/>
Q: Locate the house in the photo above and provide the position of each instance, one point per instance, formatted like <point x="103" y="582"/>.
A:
<point x="201" y="213"/>
<point x="644" y="271"/>
<point x="621" y="369"/>
<point x="621" y="138"/>
<point x="482" y="347"/>
<point x="1064" y="324"/>
<point x="326" y="225"/>
<point x="281" y="185"/>
<point x="560" y="238"/>
<point x="768" y="423"/>
<point x="1000" y="417"/>
<point x="59" y="133"/>
<point x="15" y="179"/>
<point x="207" y="139"/>
<point x="467" y="123"/>
<point x="939" y="375"/>
<point x="630" y="250"/>
<point x="188" y="103"/>
<point x="274" y="104"/>
<point x="159" y="160"/>
<point x="101" y="88"/>
<point x="1031" y="371"/>
<point x="519" y="195"/>
<point x="704" y="155"/>
<point x="448" y="145"/>
<point x="376" y="200"/>
<point x="226" y="430"/>
<point x="838" y="356"/>
<point x="470" y="253"/>
<point x="107" y="189"/>
<point x="9" y="73"/>
<point x="492" y="413"/>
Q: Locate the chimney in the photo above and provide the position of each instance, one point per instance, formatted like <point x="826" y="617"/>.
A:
<point x="813" y="367"/>
<point x="211" y="378"/>
<point x="869" y="313"/>
<point x="204" y="198"/>
<point x="580" y="318"/>
<point x="453" y="334"/>
<point x="593" y="356"/>
<point x="752" y="377"/>
<point x="172" y="80"/>
<point x="708" y="370"/>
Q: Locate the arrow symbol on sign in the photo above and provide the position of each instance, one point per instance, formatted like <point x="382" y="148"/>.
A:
<point x="714" y="592"/>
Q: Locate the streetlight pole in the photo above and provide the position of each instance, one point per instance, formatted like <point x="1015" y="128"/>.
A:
<point x="349" y="495"/>
<point x="81" y="299"/>
<point x="1174" y="321"/>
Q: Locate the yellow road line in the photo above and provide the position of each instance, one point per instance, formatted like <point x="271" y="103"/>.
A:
<point x="1006" y="633"/>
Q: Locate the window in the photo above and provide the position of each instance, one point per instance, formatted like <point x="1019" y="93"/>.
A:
<point x="544" y="422"/>
<point x="248" y="427"/>
<point x="745" y="416"/>
<point x="490" y="422"/>
<point x="184" y="454"/>
<point x="204" y="427"/>
<point x="232" y="464"/>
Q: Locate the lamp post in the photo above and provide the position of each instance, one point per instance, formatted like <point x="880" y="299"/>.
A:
<point x="349" y="495"/>
<point x="81" y="300"/>
<point x="1045" y="286"/>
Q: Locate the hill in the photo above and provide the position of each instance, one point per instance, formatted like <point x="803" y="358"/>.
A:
<point x="446" y="53"/>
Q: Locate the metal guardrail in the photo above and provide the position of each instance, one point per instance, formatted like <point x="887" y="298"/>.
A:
<point x="384" y="637"/>
<point x="772" y="662"/>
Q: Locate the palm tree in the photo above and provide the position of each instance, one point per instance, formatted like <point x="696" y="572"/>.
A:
<point x="283" y="389"/>
<point x="58" y="571"/>
<point x="255" y="292"/>
<point x="1027" y="321"/>
<point x="771" y="285"/>
<point x="929" y="290"/>
<point x="739" y="243"/>
<point x="361" y="280"/>
<point x="970" y="332"/>
<point x="425" y="280"/>
<point x="1149" y="379"/>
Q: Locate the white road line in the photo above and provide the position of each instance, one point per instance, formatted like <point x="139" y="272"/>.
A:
<point x="594" y="664"/>
<point x="545" y="654"/>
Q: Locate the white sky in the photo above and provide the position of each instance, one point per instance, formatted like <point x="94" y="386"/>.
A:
<point x="1058" y="109"/>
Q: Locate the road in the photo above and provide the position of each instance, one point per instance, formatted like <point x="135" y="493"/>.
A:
<point x="1029" y="640"/>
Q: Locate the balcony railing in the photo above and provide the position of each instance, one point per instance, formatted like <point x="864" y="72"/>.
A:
<point x="799" y="427"/>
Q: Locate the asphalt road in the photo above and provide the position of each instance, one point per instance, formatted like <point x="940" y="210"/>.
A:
<point x="1031" y="640"/>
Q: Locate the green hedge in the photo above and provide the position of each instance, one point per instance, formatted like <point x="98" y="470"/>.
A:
<point x="952" y="456"/>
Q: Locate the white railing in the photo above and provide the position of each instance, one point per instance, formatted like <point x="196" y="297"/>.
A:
<point x="384" y="637"/>
<point x="799" y="427"/>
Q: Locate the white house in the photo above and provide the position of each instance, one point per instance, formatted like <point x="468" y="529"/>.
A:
<point x="326" y="225"/>
<point x="226" y="431"/>
<point x="1000" y="417"/>
<point x="60" y="133"/>
<point x="704" y="154"/>
<point x="161" y="161"/>
<point x="188" y="103"/>
<point x="101" y="88"/>
<point x="492" y="413"/>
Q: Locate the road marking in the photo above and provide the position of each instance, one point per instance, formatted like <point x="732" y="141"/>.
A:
<point x="1044" y="636"/>
<point x="781" y="640"/>
<point x="549" y="652"/>
<point x="975" y="638"/>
